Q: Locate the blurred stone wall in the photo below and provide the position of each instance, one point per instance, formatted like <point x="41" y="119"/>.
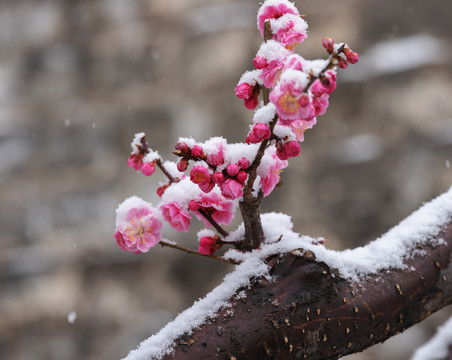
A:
<point x="78" y="79"/>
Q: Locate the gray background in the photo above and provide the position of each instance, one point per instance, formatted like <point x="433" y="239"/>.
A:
<point x="78" y="79"/>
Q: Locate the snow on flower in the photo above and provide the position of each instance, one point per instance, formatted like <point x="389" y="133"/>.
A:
<point x="275" y="55"/>
<point x="289" y="30"/>
<point x="138" y="225"/>
<point x="274" y="9"/>
<point x="220" y="209"/>
<point x="176" y="216"/>
<point x="208" y="242"/>
<point x="269" y="170"/>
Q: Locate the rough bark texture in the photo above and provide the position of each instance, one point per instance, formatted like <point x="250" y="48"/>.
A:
<point x="310" y="312"/>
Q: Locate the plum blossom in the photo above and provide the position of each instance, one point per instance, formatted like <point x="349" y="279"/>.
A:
<point x="329" y="81"/>
<point x="289" y="30"/>
<point x="220" y="209"/>
<point x="269" y="170"/>
<point x="176" y="216"/>
<point x="249" y="93"/>
<point x="135" y="161"/>
<point x="274" y="10"/>
<point x="231" y="189"/>
<point x="138" y="225"/>
<point x="275" y="56"/>
<point x="290" y="100"/>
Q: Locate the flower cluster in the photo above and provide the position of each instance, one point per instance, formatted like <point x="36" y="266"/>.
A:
<point x="211" y="178"/>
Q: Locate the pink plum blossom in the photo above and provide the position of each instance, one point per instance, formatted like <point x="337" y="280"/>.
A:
<point x="139" y="230"/>
<point x="258" y="133"/>
<point x="207" y="187"/>
<point x="242" y="176"/>
<point x="244" y="163"/>
<point x="288" y="150"/>
<point x="249" y="93"/>
<point x="298" y="128"/>
<point x="290" y="30"/>
<point x="176" y="216"/>
<point x="216" y="157"/>
<point x="221" y="210"/>
<point x="320" y="104"/>
<point x="218" y="178"/>
<point x="182" y="165"/>
<point x="328" y="44"/>
<point x="274" y="12"/>
<point x="272" y="72"/>
<point x="231" y="189"/>
<point x="199" y="175"/>
<point x="269" y="171"/>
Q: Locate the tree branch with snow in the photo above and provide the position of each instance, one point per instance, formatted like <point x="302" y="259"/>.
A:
<point x="289" y="296"/>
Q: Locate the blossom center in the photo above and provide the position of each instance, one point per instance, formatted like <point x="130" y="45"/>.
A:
<point x="289" y="103"/>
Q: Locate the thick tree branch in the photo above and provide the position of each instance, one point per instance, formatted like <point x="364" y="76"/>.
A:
<point x="309" y="310"/>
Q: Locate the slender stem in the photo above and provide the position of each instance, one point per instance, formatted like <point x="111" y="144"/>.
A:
<point x="163" y="243"/>
<point x="167" y="174"/>
<point x="213" y="222"/>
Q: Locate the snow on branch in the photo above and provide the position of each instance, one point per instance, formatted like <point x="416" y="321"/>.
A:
<point x="397" y="251"/>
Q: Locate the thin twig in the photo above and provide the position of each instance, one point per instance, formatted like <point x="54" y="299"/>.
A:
<point x="193" y="252"/>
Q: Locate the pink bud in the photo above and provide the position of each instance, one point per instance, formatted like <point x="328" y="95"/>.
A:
<point x="135" y="162"/>
<point x="261" y="132"/>
<point x="193" y="205"/>
<point x="242" y="176"/>
<point x="244" y="163"/>
<point x="161" y="190"/>
<point x="231" y="189"/>
<point x="352" y="57"/>
<point x="251" y="138"/>
<point x="281" y="152"/>
<point x="292" y="148"/>
<point x="252" y="102"/>
<point x="197" y="152"/>
<point x="182" y="147"/>
<point x="244" y="91"/>
<point x="328" y="44"/>
<point x="182" y="165"/>
<point x="199" y="175"/>
<point x="232" y="169"/>
<point x="148" y="169"/>
<point x="218" y="178"/>
<point x="207" y="187"/>
<point x="343" y="64"/>
<point x="208" y="245"/>
<point x="259" y="62"/>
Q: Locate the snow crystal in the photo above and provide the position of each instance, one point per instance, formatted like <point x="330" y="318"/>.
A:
<point x="438" y="347"/>
<point x="151" y="156"/>
<point x="314" y="66"/>
<point x="137" y="142"/>
<point x="300" y="25"/>
<point x="251" y="77"/>
<point x="265" y="114"/>
<point x="182" y="192"/>
<point x="273" y="50"/>
<point x="71" y="317"/>
<point x="284" y="132"/>
<point x="189" y="141"/>
<point x="234" y="152"/>
<point x="298" y="78"/>
<point x="211" y="146"/>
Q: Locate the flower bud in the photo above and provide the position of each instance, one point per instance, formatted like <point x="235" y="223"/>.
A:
<point x="193" y="205"/>
<point x="232" y="169"/>
<point x="328" y="44"/>
<point x="261" y="132"/>
<point x="148" y="169"/>
<point x="197" y="152"/>
<point x="182" y="147"/>
<point x="160" y="191"/>
<point x="259" y="62"/>
<point x="135" y="162"/>
<point x="352" y="57"/>
<point x="292" y="148"/>
<point x="182" y="165"/>
<point x="244" y="163"/>
<point x="242" y="176"/>
<point x="218" y="178"/>
<point x="342" y="63"/>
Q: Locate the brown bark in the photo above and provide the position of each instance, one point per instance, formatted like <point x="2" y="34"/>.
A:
<point x="310" y="312"/>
